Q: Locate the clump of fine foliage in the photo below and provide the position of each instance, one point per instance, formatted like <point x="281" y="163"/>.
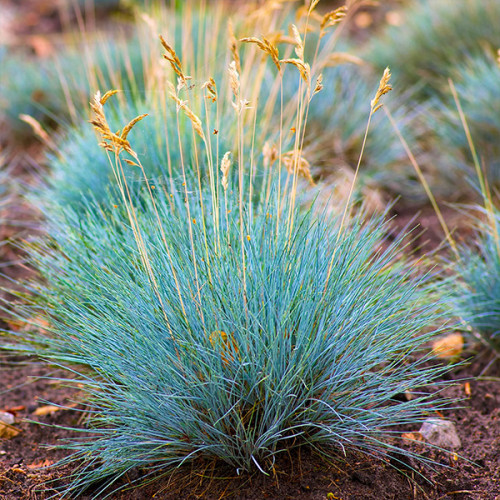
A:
<point x="206" y="313"/>
<point x="286" y="337"/>
<point x="478" y="292"/>
<point x="433" y="38"/>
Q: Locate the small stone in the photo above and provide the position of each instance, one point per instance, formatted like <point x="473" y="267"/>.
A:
<point x="441" y="433"/>
<point x="6" y="417"/>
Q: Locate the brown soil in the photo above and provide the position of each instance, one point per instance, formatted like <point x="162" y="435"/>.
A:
<point x="475" y="475"/>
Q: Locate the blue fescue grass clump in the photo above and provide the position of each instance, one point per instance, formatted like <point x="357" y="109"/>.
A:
<point x="433" y="37"/>
<point x="234" y="340"/>
<point x="478" y="278"/>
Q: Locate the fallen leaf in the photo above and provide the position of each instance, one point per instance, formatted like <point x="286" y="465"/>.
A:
<point x="41" y="411"/>
<point x="40" y="464"/>
<point x="450" y="346"/>
<point x="8" y="431"/>
<point x="412" y="436"/>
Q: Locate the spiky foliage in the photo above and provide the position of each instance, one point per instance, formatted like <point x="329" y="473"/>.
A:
<point x="478" y="291"/>
<point x="248" y="347"/>
<point x="433" y="37"/>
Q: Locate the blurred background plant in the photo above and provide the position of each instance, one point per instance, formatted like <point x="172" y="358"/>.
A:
<point x="433" y="38"/>
<point x="477" y="297"/>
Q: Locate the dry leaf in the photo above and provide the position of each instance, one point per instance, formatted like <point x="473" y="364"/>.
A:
<point x="41" y="411"/>
<point x="450" y="346"/>
<point x="40" y="464"/>
<point x="467" y="390"/>
<point x="8" y="431"/>
<point x="412" y="436"/>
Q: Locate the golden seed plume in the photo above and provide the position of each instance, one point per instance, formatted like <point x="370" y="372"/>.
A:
<point x="224" y="168"/>
<point x="303" y="67"/>
<point x="234" y="79"/>
<point x="299" y="46"/>
<point x="195" y="121"/>
<point x="332" y="18"/>
<point x="383" y="89"/>
<point x="211" y="89"/>
<point x="112" y="141"/>
<point x="174" y="61"/>
<point x="319" y="84"/>
<point x="295" y="162"/>
<point x="266" y="46"/>
<point x="233" y="46"/>
<point x="313" y="5"/>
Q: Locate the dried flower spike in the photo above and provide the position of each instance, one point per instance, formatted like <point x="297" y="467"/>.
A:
<point x="266" y="46"/>
<point x="111" y="141"/>
<point x="233" y="45"/>
<point x="174" y="61"/>
<point x="299" y="46"/>
<point x="295" y="163"/>
<point x="332" y="18"/>
<point x="224" y="168"/>
<point x="383" y="89"/>
<point x="211" y="89"/>
<point x="303" y="67"/>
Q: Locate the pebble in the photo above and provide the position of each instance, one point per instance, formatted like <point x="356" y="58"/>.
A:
<point x="6" y="417"/>
<point x="441" y="433"/>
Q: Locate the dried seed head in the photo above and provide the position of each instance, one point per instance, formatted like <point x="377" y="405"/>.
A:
<point x="211" y="89"/>
<point x="195" y="121"/>
<point x="319" y="84"/>
<point x="234" y="79"/>
<point x="174" y="61"/>
<point x="295" y="163"/>
<point x="383" y="89"/>
<point x="131" y="124"/>
<point x="224" y="168"/>
<point x="233" y="46"/>
<point x="266" y="46"/>
<point x="303" y="67"/>
<point x="299" y="46"/>
<point x="331" y="19"/>
<point x="115" y="142"/>
<point x="312" y="5"/>
<point x="270" y="154"/>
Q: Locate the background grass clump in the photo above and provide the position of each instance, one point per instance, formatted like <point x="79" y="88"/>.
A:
<point x="478" y="284"/>
<point x="433" y="38"/>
